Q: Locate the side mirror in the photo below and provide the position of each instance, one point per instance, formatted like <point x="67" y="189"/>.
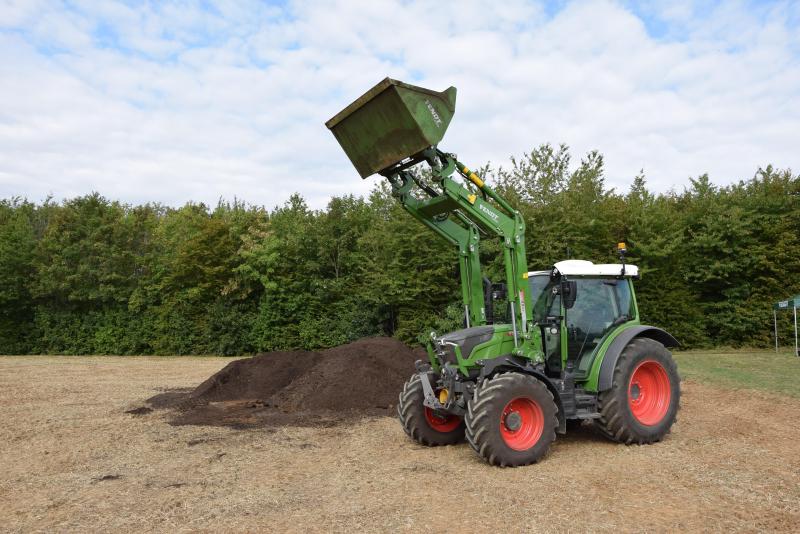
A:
<point x="569" y="292"/>
<point x="499" y="291"/>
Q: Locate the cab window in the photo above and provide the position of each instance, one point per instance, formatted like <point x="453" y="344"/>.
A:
<point x="601" y="305"/>
<point x="545" y="303"/>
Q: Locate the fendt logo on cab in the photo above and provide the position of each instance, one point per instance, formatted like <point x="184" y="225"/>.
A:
<point x="488" y="212"/>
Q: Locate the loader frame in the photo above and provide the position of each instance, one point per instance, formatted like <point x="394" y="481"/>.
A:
<point x="460" y="213"/>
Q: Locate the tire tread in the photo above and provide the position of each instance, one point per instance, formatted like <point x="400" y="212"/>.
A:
<point x="612" y="422"/>
<point x="413" y="421"/>
<point x="488" y="394"/>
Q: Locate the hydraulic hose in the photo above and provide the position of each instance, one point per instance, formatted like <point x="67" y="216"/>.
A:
<point x="480" y="184"/>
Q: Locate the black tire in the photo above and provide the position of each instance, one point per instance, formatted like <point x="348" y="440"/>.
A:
<point x="421" y="426"/>
<point x="486" y="422"/>
<point x="617" y="418"/>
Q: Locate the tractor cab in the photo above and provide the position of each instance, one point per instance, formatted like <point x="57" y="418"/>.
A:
<point x="577" y="305"/>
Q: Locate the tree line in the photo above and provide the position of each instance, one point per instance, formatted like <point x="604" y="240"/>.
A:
<point x="90" y="275"/>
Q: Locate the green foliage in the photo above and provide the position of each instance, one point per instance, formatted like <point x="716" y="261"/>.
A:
<point x="17" y="240"/>
<point x="452" y="318"/>
<point x="93" y="276"/>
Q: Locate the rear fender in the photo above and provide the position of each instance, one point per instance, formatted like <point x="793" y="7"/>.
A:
<point x="605" y="373"/>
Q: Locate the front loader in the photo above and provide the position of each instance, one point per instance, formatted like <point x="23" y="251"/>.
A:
<point x="572" y="349"/>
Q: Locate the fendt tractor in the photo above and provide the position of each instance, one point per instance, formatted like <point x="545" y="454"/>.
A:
<point x="572" y="348"/>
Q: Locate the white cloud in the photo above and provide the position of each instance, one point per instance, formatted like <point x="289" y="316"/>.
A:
<point x="179" y="102"/>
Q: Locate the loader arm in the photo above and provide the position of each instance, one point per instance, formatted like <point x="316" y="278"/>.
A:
<point x="458" y="207"/>
<point x="466" y="238"/>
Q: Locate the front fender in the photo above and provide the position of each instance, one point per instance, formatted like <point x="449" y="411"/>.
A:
<point x="515" y="363"/>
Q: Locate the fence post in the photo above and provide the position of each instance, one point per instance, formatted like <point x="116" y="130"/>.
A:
<point x="775" y="321"/>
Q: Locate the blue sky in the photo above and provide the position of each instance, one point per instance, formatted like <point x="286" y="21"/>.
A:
<point x="177" y="101"/>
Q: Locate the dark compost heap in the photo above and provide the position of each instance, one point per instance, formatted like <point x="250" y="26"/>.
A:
<point x="363" y="378"/>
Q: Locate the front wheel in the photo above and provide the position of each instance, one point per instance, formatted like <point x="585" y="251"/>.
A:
<point x="511" y="420"/>
<point x="643" y="401"/>
<point x="425" y="425"/>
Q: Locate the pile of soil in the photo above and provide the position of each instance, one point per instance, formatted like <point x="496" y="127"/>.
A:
<point x="359" y="379"/>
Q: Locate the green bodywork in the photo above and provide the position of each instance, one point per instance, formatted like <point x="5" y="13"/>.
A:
<point x="501" y="344"/>
<point x="395" y="126"/>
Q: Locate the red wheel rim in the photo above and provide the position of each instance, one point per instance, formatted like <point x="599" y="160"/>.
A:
<point x="521" y="423"/>
<point x="649" y="392"/>
<point x="441" y="422"/>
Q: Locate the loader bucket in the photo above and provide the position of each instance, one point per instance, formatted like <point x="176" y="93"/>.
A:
<point x="391" y="122"/>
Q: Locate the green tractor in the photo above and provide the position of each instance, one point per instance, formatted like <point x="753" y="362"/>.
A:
<point x="572" y="348"/>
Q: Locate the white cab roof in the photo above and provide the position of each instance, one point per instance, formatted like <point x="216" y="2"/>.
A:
<point x="587" y="268"/>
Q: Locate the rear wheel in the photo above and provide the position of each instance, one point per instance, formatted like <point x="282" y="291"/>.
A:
<point x="511" y="420"/>
<point x="644" y="398"/>
<point x="425" y="425"/>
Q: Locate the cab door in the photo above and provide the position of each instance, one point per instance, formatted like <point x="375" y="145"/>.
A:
<point x="601" y="305"/>
<point x="548" y="315"/>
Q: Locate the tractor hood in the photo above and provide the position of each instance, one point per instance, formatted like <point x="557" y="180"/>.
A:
<point x="466" y="339"/>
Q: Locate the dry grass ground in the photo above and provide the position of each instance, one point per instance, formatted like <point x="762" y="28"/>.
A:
<point x="71" y="459"/>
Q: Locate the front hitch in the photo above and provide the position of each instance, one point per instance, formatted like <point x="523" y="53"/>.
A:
<point x="430" y="397"/>
<point x="449" y="382"/>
